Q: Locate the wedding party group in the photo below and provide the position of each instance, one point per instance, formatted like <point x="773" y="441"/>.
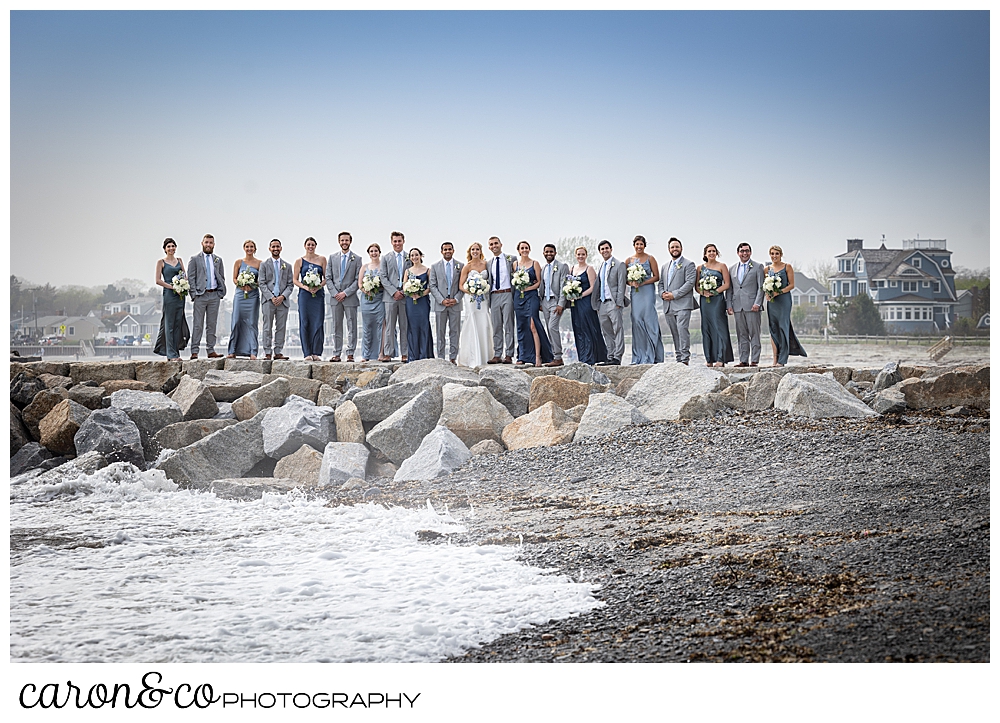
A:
<point x="485" y="308"/>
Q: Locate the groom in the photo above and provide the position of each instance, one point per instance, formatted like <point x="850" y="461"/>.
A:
<point x="207" y="277"/>
<point x="443" y="283"/>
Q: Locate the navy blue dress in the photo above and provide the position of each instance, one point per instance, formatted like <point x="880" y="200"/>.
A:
<point x="419" y="342"/>
<point x="526" y="311"/>
<point x="173" y="313"/>
<point x="779" y="321"/>
<point x="590" y="346"/>
<point x="311" y="310"/>
<point x="715" y="341"/>
<point x="246" y="312"/>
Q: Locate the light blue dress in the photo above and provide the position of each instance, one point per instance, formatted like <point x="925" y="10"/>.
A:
<point x="647" y="344"/>
<point x="372" y="321"/>
<point x="246" y="318"/>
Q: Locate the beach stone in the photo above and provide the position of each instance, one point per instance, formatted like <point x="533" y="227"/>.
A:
<point x="472" y="414"/>
<point x="261" y="366"/>
<point x="380" y="468"/>
<point x="440" y="453"/>
<point x="41" y="405"/>
<point x="441" y="368"/>
<point x="967" y="386"/>
<point x="182" y="434"/>
<point x="576" y="413"/>
<point x="864" y="375"/>
<point x="52" y="381"/>
<point x="298" y="422"/>
<point x="195" y="399"/>
<point x="544" y="427"/>
<point x="113" y="434"/>
<point x="341" y="462"/>
<point x="915" y="371"/>
<point x="890" y="401"/>
<point x="583" y="373"/>
<point x="303" y="466"/>
<point x="225" y="411"/>
<point x="230" y="386"/>
<point x="102" y="371"/>
<point x="375" y="405"/>
<point x="18" y="432"/>
<point x="565" y="393"/>
<point x="889" y="376"/>
<point x="817" y="396"/>
<point x="330" y="372"/>
<point x="156" y="373"/>
<point x="510" y="387"/>
<point x="664" y="388"/>
<point x="23" y="389"/>
<point x="88" y="396"/>
<point x="618" y="374"/>
<point x="604" y="414"/>
<point x="842" y="375"/>
<point x="57" y="369"/>
<point x="350" y="428"/>
<point x="151" y="412"/>
<point x="703" y="406"/>
<point x="487" y="446"/>
<point x="354" y="483"/>
<point x="84" y="464"/>
<point x="327" y="396"/>
<point x="60" y="425"/>
<point x="299" y="386"/>
<point x="272" y="394"/>
<point x="290" y="368"/>
<point x="625" y="385"/>
<point x="198" y="368"/>
<point x="735" y="395"/>
<point x="225" y="454"/>
<point x="761" y="390"/>
<point x="30" y="456"/>
<point x="399" y="435"/>
<point x="116" y="385"/>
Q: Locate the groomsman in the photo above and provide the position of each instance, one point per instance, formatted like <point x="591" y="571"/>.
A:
<point x="553" y="303"/>
<point x="676" y="287"/>
<point x="608" y="300"/>
<point x="207" y="277"/>
<point x="744" y="300"/>
<point x="501" y="303"/>
<point x="275" y="288"/>
<point x="443" y="284"/>
<point x="342" y="285"/>
<point x="391" y="269"/>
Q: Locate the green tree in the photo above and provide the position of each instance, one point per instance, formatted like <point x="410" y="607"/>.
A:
<point x="967" y="278"/>
<point x="113" y="293"/>
<point x="857" y="315"/>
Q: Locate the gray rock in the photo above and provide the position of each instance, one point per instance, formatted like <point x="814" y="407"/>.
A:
<point x="888" y="377"/>
<point x="18" y="432"/>
<point x="399" y="435"/>
<point x="510" y="387"/>
<point x="580" y="372"/>
<point x="864" y="375"/>
<point x="261" y="366"/>
<point x="303" y="466"/>
<point x="662" y="390"/>
<point x="704" y="406"/>
<point x="84" y="464"/>
<point x="289" y="368"/>
<point x="487" y="446"/>
<point x="576" y="413"/>
<point x="198" y="368"/>
<point x="889" y="401"/>
<point x="341" y="462"/>
<point x="113" y="434"/>
<point x="299" y="386"/>
<point x="41" y="405"/>
<point x="375" y="405"/>
<point x="88" y="396"/>
<point x="151" y="412"/>
<point x="182" y="434"/>
<point x="327" y="396"/>
<point x="350" y="428"/>
<point x="31" y="456"/>
<point x="23" y="389"/>
<point x="101" y="371"/>
<point x="604" y="414"/>
<point x="194" y="399"/>
<point x="225" y="411"/>
<point x="817" y="396"/>
<point x="298" y="422"/>
<point x="272" y="394"/>
<point x="761" y="390"/>
<point x="230" y="386"/>
<point x="230" y="452"/>
<point x="380" y="468"/>
<point x="156" y="373"/>
<point x="440" y="453"/>
<point x="440" y="369"/>
<point x="735" y="395"/>
<point x="472" y="414"/>
<point x="967" y="386"/>
<point x="171" y="382"/>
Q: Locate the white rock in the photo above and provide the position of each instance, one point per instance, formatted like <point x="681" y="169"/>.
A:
<point x="440" y="453"/>
<point x="230" y="386"/>
<point x="298" y="422"/>
<point x="662" y="391"/>
<point x="817" y="396"/>
<point x="400" y="434"/>
<point x="604" y="414"/>
<point x="472" y="414"/>
<point x="341" y="462"/>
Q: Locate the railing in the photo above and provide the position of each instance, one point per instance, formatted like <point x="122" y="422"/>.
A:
<point x="74" y="351"/>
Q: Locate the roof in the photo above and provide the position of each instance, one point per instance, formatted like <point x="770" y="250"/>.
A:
<point x="806" y="284"/>
<point x="140" y="319"/>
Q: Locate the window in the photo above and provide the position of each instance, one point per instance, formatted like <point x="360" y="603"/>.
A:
<point x="909" y="286"/>
<point x="927" y="284"/>
<point x="915" y="262"/>
<point x="812" y="299"/>
<point x="72" y="331"/>
<point x="907" y="311"/>
<point x="862" y="288"/>
<point x="861" y="266"/>
<point x="944" y="263"/>
<point x="927" y="315"/>
<point x="847" y="289"/>
<point x="937" y="287"/>
<point x="892" y="284"/>
<point x="795" y="299"/>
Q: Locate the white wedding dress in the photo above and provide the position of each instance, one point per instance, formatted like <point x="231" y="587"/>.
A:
<point x="475" y="345"/>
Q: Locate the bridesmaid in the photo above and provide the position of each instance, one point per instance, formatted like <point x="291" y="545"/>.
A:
<point x="590" y="347"/>
<point x="173" y="303"/>
<point x="647" y="343"/>
<point x="312" y="302"/>
<point x="246" y="311"/>
<point x="715" y="341"/>
<point x="532" y="341"/>
<point x="419" y="342"/>
<point x="779" y="311"/>
<point x="372" y="309"/>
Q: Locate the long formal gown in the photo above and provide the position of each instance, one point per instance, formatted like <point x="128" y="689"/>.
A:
<point x="419" y="341"/>
<point x="590" y="346"/>
<point x="647" y="343"/>
<point x="246" y="317"/>
<point x="173" y="313"/>
<point x="372" y="321"/>
<point x="779" y="321"/>
<point x="311" y="310"/>
<point x="525" y="311"/>
<point x="475" y="344"/>
<point x="715" y="341"/>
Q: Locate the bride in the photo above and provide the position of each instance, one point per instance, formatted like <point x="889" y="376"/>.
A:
<point x="475" y="345"/>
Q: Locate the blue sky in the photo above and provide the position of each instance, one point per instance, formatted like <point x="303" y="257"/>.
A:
<point x="797" y="128"/>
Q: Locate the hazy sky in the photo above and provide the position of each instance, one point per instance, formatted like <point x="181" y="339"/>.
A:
<point x="797" y="128"/>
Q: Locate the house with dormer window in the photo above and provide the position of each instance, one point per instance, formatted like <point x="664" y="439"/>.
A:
<point x="912" y="287"/>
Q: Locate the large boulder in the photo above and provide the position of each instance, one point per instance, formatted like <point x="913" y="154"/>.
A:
<point x="375" y="405"/>
<point x="31" y="456"/>
<point x="83" y="465"/>
<point x="156" y="373"/>
<point x="350" y="428"/>
<point x="52" y="381"/>
<point x="101" y="371"/>
<point x="40" y="368"/>
<point x="399" y="435"/>
<point x="817" y="396"/>
<point x="890" y="401"/>
<point x="565" y="393"/>
<point x="23" y="389"/>
<point x="58" y="428"/>
<point x="292" y="368"/>
<point x="298" y="422"/>
<point x="151" y="412"/>
<point x="510" y="387"/>
<point x="303" y="466"/>
<point x="888" y="377"/>
<point x="18" y="432"/>
<point x="112" y="433"/>
<point x="583" y="373"/>
<point x="487" y="446"/>
<point x="704" y="406"/>
<point x="964" y="386"/>
<point x="230" y="452"/>
<point x="735" y="395"/>
<point x="761" y="390"/>
<point x="440" y="369"/>
<point x="261" y="366"/>
<point x="299" y="386"/>
<point x="41" y="405"/>
<point x="663" y="389"/>
<point x="327" y="396"/>
<point x="472" y="413"/>
<point x="182" y="434"/>
<point x="230" y="386"/>
<point x="329" y="372"/>
<point x="341" y="462"/>
<point x="88" y="396"/>
<point x="195" y="399"/>
<point x="272" y="394"/>
<point x="440" y="452"/>
<point x="116" y="385"/>
<point x="604" y="414"/>
<point x="544" y="427"/>
<point x="198" y="368"/>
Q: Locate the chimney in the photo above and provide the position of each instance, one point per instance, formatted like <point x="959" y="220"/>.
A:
<point x="855" y="244"/>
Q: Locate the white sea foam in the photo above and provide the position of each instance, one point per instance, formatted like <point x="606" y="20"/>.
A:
<point x="135" y="570"/>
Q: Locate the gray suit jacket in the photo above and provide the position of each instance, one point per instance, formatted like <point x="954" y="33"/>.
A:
<point x="438" y="283"/>
<point x="681" y="285"/>
<point x="559" y="273"/>
<point x="742" y="297"/>
<point x="616" y="283"/>
<point x="266" y="281"/>
<point x="198" y="274"/>
<point x="392" y="280"/>
<point x="349" y="284"/>
<point x="491" y="265"/>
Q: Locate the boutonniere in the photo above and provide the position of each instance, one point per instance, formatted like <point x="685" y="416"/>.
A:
<point x="677" y="265"/>
<point x="612" y="264"/>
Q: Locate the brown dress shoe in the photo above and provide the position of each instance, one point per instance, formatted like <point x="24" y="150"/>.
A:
<point x="335" y="358"/>
<point x="454" y="362"/>
<point x="554" y="363"/>
<point x="507" y="360"/>
<point x="228" y="356"/>
<point x="281" y="356"/>
<point x="741" y="364"/>
<point x="385" y="359"/>
<point x="753" y="364"/>
<point x="350" y="358"/>
<point x="494" y="360"/>
<point x="403" y="359"/>
<point x="194" y="356"/>
<point x="267" y="356"/>
<point x="213" y="355"/>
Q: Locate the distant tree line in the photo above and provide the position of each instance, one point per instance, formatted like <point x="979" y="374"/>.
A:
<point x="48" y="300"/>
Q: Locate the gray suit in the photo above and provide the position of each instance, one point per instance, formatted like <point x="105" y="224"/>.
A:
<point x="548" y="306"/>
<point x="741" y="298"/>
<point x="502" y="307"/>
<point x="276" y="316"/>
<point x="680" y="282"/>
<point x="348" y="283"/>
<point x="395" y="310"/>
<point x="205" y="302"/>
<point x="446" y="316"/>
<point x="610" y="311"/>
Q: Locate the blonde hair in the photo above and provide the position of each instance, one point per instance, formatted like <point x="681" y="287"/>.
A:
<point x="250" y="241"/>
<point x="468" y="251"/>
<point x="776" y="248"/>
<point x="585" y="252"/>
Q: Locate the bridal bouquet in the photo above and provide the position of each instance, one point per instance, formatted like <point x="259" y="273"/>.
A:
<point x="180" y="284"/>
<point x="476" y="287"/>
<point x="636" y="274"/>
<point x="572" y="290"/>
<point x="246" y="278"/>
<point x="371" y="284"/>
<point x="414" y="288"/>
<point x="520" y="280"/>
<point x="313" y="280"/>
<point x="772" y="286"/>
<point x="708" y="283"/>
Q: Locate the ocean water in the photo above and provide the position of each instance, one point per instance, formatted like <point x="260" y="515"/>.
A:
<point x="122" y="566"/>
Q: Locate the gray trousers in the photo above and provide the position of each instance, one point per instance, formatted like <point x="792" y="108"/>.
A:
<point x="278" y="317"/>
<point x="452" y="317"/>
<point x="395" y="313"/>
<point x="748" y="335"/>
<point x="206" y="318"/>
<point x="679" y="321"/>
<point x="551" y="321"/>
<point x="612" y="329"/>
<point x="502" y="316"/>
<point x="339" y="313"/>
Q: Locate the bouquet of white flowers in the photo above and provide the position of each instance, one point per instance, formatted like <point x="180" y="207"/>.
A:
<point x="636" y="274"/>
<point x="520" y="280"/>
<point x="572" y="289"/>
<point x="313" y="280"/>
<point x="246" y="278"/>
<point x="371" y="284"/>
<point x="708" y="283"/>
<point x="476" y="287"/>
<point x="181" y="284"/>
<point x="414" y="288"/>
<point x="772" y="286"/>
